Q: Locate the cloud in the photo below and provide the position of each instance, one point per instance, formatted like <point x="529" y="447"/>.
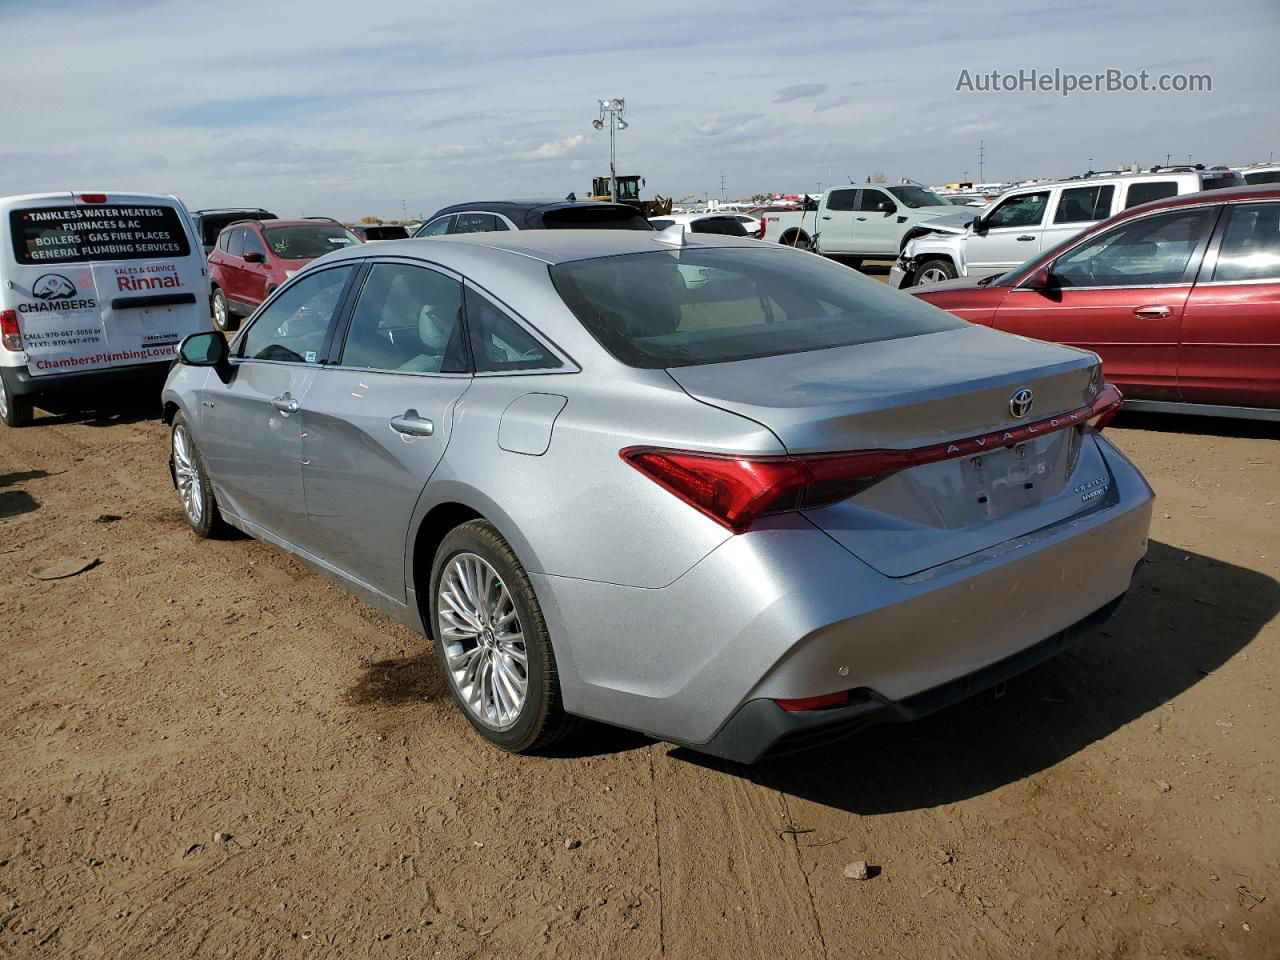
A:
<point x="718" y="126"/>
<point x="800" y="91"/>
<point x="553" y="149"/>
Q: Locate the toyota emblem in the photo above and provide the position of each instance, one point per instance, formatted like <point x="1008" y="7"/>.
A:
<point x="1020" y="402"/>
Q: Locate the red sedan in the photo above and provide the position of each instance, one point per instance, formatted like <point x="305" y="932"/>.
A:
<point x="1180" y="297"/>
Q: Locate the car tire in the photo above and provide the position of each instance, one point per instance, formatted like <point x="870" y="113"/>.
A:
<point x="481" y="599"/>
<point x="934" y="271"/>
<point x="854" y="262"/>
<point x="221" y="310"/>
<point x="16" y="411"/>
<point x="192" y="482"/>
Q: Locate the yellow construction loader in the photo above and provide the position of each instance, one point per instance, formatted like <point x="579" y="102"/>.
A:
<point x="629" y="193"/>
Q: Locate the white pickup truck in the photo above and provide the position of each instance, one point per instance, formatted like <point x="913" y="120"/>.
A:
<point x="857" y="221"/>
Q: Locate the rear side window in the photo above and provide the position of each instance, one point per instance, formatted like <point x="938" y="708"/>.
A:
<point x="436" y="228"/>
<point x="594" y="217"/>
<point x="1251" y="245"/>
<point x="1146" y="192"/>
<point x="408" y="319"/>
<point x="1083" y="204"/>
<point x="661" y="224"/>
<point x="500" y="344"/>
<point x="235" y="246"/>
<point x="93" y="234"/>
<point x="1266" y="176"/>
<point x="710" y="305"/>
<point x="841" y="199"/>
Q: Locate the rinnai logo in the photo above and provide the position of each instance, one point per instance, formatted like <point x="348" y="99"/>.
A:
<point x="165" y="282"/>
<point x="53" y="286"/>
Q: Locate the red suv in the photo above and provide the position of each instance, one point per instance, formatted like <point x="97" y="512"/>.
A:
<point x="253" y="257"/>
<point x="1180" y="297"/>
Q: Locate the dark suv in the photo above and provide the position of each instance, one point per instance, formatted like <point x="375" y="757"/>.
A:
<point x="209" y="223"/>
<point x="482" y="216"/>
<point x="253" y="257"/>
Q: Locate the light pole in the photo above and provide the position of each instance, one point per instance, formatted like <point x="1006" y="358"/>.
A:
<point x="611" y="113"/>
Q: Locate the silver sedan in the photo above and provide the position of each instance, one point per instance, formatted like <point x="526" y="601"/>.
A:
<point x="728" y="494"/>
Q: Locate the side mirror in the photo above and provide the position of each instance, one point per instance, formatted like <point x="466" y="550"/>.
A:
<point x="1042" y="279"/>
<point x="253" y="256"/>
<point x="207" y="349"/>
<point x="888" y="206"/>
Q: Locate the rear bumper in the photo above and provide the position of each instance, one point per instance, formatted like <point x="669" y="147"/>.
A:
<point x="784" y="612"/>
<point x="19" y="381"/>
<point x="761" y="727"/>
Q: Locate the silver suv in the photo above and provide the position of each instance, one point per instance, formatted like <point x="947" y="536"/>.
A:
<point x="1035" y="217"/>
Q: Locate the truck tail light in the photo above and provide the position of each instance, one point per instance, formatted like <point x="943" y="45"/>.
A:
<point x="764" y="222"/>
<point x="10" y="335"/>
<point x="93" y="198"/>
<point x="736" y="490"/>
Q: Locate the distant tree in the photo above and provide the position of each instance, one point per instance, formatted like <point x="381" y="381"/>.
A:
<point x="370" y="220"/>
<point x="760" y="199"/>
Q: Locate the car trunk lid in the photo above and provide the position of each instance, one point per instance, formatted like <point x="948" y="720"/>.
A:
<point x="917" y="392"/>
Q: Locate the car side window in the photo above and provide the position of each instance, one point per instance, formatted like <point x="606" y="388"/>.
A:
<point x="1084" y="204"/>
<point x="1023" y="210"/>
<point x="475" y="223"/>
<point x="873" y="200"/>
<point x="500" y="344"/>
<point x="841" y="199"/>
<point x="224" y="240"/>
<point x="253" y="243"/>
<point x="1251" y="244"/>
<point x="1150" y="251"/>
<point x="1152" y="190"/>
<point x="235" y="246"/>
<point x="294" y="325"/>
<point x="407" y="319"/>
<point x="437" y="227"/>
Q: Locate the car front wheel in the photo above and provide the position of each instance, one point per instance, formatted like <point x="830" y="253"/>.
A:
<point x="492" y="642"/>
<point x="195" y="492"/>
<point x="935" y="271"/>
<point x="222" y="318"/>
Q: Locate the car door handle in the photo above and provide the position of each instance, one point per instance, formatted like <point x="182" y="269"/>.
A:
<point x="862" y="218"/>
<point x="410" y="423"/>
<point x="826" y="216"/>
<point x="1153" y="312"/>
<point x="1026" y="236"/>
<point x="285" y="404"/>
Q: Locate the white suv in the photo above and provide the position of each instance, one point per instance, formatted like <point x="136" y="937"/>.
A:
<point x="1027" y="220"/>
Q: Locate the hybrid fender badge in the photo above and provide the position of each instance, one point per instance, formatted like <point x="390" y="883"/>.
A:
<point x="1021" y="401"/>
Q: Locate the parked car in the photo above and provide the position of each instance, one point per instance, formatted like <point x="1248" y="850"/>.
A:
<point x="209" y="223"/>
<point x="1036" y="217"/>
<point x="710" y="512"/>
<point x="379" y="231"/>
<point x="1260" y="173"/>
<point x="1180" y="299"/>
<point x="96" y="292"/>
<point x="488" y="216"/>
<point x="857" y="222"/>
<point x="253" y="257"/>
<point x="725" y="224"/>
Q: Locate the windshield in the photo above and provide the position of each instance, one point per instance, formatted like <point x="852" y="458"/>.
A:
<point x="308" y="242"/>
<point x="711" y="305"/>
<point x="91" y="234"/>
<point x="914" y="196"/>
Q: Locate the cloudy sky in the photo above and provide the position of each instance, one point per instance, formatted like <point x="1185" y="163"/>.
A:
<point x="353" y="108"/>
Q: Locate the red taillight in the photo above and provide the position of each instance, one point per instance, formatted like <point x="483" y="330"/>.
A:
<point x="764" y="221"/>
<point x="734" y="491"/>
<point x="93" y="198"/>
<point x="824" y="702"/>
<point x="10" y="335"/>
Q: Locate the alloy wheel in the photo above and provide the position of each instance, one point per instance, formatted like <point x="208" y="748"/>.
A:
<point x="931" y="275"/>
<point x="220" y="312"/>
<point x="483" y="641"/>
<point x="187" y="472"/>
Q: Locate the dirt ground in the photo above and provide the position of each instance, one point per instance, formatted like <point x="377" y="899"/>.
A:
<point x="207" y="750"/>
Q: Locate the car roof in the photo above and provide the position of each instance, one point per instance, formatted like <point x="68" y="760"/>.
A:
<point x="115" y="198"/>
<point x="248" y="221"/>
<point x="548" y="246"/>
<point x="510" y="207"/>
<point x="1259" y="191"/>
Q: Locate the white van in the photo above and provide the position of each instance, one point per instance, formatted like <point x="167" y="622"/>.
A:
<point x="1024" y="221"/>
<point x="96" y="289"/>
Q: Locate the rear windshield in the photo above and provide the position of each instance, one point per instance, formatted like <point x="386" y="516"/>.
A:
<point x="91" y="234"/>
<point x="1221" y="181"/>
<point x="594" y="218"/>
<point x="308" y="242"/>
<point x="692" y="306"/>
<point x="385" y="232"/>
<point x="727" y="226"/>
<point x="211" y="224"/>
